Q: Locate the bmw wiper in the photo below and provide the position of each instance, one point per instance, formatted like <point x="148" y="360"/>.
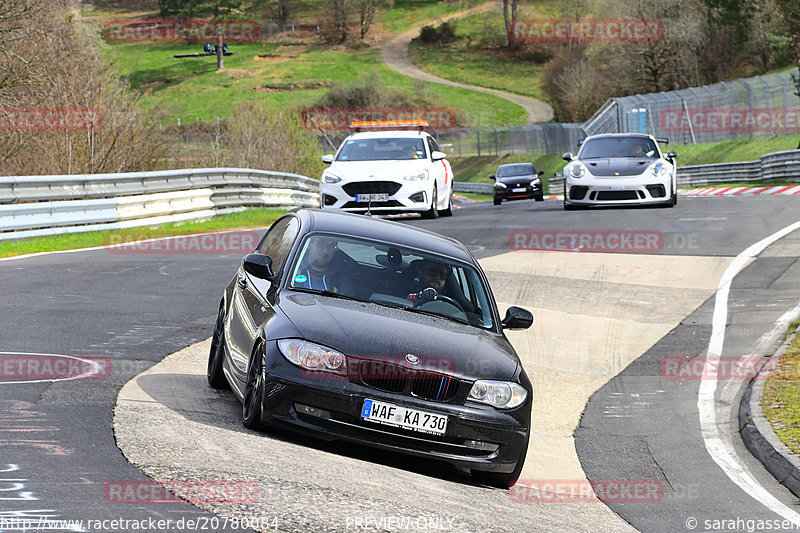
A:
<point x="424" y="312"/>
<point x="327" y="293"/>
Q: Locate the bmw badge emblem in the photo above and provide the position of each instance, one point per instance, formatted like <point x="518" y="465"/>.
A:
<point x="413" y="359"/>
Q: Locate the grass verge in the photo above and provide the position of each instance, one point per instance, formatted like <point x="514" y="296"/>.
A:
<point x="781" y="399"/>
<point x="476" y="196"/>
<point x="249" y="219"/>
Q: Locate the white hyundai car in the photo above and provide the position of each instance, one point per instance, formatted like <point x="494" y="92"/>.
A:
<point x="620" y="169"/>
<point x="388" y="170"/>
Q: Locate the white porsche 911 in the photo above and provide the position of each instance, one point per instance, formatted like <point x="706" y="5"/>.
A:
<point x="620" y="169"/>
<point x="384" y="168"/>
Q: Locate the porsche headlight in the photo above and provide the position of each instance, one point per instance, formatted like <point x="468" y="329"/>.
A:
<point x="501" y="394"/>
<point x="419" y="176"/>
<point x="330" y="178"/>
<point x="658" y="169"/>
<point x="313" y="357"/>
<point x="500" y="185"/>
<point x="577" y="171"/>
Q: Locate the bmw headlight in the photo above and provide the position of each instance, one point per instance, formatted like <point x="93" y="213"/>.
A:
<point x="419" y="176"/>
<point x="313" y="357"/>
<point x="658" y="169"/>
<point x="577" y="171"/>
<point x="330" y="178"/>
<point x="500" y="185"/>
<point x="501" y="394"/>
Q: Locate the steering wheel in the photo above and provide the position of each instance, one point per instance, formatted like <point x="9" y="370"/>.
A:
<point x="448" y="300"/>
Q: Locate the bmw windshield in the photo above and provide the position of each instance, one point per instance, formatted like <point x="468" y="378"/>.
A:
<point x="392" y="275"/>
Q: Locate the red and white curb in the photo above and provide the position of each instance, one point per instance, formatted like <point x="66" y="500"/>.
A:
<point x="728" y="191"/>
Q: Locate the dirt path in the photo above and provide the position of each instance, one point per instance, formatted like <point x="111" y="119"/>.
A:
<point x="395" y="54"/>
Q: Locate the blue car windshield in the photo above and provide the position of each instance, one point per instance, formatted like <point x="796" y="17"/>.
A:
<point x="392" y="275"/>
<point x="605" y="147"/>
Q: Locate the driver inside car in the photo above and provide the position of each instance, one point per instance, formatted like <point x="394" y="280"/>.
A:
<point x="322" y="268"/>
<point x="433" y="277"/>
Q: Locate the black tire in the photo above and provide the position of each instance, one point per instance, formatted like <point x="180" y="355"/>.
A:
<point x="214" y="374"/>
<point x="252" y="403"/>
<point x="433" y="212"/>
<point x="674" y="197"/>
<point x="497" y="201"/>
<point x="449" y="211"/>
<point x="502" y="480"/>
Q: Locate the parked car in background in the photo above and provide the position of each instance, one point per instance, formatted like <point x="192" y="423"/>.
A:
<point x="517" y="181"/>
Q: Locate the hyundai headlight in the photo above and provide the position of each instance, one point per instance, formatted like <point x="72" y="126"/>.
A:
<point x="658" y="169"/>
<point x="313" y="357"/>
<point x="535" y="182"/>
<point x="577" y="171"/>
<point x="500" y="185"/>
<point x="419" y="176"/>
<point x="501" y="394"/>
<point x="330" y="178"/>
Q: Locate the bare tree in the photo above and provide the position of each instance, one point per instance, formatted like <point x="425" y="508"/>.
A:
<point x="511" y="21"/>
<point x="366" y="17"/>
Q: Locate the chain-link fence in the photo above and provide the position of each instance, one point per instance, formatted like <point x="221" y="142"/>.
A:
<point x="763" y="106"/>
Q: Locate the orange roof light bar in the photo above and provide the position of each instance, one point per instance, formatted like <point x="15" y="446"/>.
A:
<point x="388" y="124"/>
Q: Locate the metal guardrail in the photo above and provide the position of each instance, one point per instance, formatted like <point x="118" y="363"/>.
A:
<point x="47" y="205"/>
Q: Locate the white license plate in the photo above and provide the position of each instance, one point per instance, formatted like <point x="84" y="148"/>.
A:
<point x="403" y="417"/>
<point x="521" y="189"/>
<point x="616" y="187"/>
<point x="372" y="197"/>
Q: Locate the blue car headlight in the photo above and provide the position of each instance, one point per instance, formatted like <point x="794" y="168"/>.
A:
<point x="313" y="357"/>
<point x="501" y="394"/>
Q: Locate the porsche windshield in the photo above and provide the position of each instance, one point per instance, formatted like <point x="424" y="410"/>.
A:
<point x="390" y="148"/>
<point x="605" y="147"/>
<point x="392" y="275"/>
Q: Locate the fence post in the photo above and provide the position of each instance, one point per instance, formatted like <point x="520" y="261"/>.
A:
<point x="478" y="131"/>
<point x="496" y="144"/>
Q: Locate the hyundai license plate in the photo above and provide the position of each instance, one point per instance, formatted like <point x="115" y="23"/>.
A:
<point x="521" y="189"/>
<point x="383" y="197"/>
<point x="403" y="417"/>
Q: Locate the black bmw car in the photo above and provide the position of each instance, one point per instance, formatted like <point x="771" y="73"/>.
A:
<point x="517" y="181"/>
<point x="359" y="329"/>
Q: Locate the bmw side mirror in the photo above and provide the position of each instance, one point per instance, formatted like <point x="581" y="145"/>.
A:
<point x="672" y="154"/>
<point x="567" y="156"/>
<point x="327" y="158"/>
<point x="259" y="266"/>
<point x="438" y="156"/>
<point x="517" y="318"/>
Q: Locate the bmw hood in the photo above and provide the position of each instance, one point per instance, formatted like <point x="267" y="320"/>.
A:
<point x="370" y="170"/>
<point x="367" y="331"/>
<point x="618" y="166"/>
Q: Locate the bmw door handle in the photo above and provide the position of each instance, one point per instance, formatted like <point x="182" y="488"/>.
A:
<point x="242" y="282"/>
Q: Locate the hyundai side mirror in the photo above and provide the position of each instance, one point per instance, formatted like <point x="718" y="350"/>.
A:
<point x="492" y="177"/>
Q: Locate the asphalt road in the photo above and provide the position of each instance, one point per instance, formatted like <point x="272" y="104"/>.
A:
<point x="58" y="449"/>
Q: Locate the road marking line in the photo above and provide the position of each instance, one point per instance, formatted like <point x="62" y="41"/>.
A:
<point x="722" y="452"/>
